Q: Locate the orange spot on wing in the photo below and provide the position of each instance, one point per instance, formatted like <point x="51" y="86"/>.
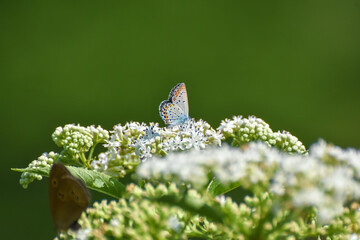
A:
<point x="165" y="113"/>
<point x="178" y="91"/>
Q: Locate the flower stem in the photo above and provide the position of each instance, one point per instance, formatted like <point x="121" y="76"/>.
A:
<point x="83" y="160"/>
<point x="91" y="152"/>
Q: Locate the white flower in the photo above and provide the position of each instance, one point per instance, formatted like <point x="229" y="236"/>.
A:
<point x="101" y="164"/>
<point x="221" y="199"/>
<point x="82" y="234"/>
<point x="354" y="236"/>
<point x="310" y="197"/>
<point x="174" y="223"/>
<point x="114" y="222"/>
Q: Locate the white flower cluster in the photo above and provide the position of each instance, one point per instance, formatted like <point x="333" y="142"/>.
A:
<point x="99" y="134"/>
<point x="244" y="130"/>
<point x="76" y="139"/>
<point x="44" y="161"/>
<point x="120" y="155"/>
<point x="135" y="142"/>
<point x="227" y="164"/>
<point x="190" y="135"/>
<point x="326" y="178"/>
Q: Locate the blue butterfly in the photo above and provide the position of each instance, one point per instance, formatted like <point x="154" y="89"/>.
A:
<point x="175" y="110"/>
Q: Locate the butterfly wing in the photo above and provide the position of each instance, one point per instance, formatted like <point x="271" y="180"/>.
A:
<point x="178" y="96"/>
<point x="68" y="197"/>
<point x="56" y="173"/>
<point x="171" y="113"/>
<point x="72" y="201"/>
<point x="175" y="110"/>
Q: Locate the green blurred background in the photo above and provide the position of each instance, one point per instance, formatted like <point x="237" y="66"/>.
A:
<point x="295" y="64"/>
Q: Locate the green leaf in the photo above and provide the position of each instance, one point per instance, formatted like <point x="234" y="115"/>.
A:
<point x="94" y="180"/>
<point x="99" y="182"/>
<point x="43" y="171"/>
<point x="216" y="188"/>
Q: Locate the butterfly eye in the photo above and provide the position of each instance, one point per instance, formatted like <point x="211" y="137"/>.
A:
<point x="54" y="183"/>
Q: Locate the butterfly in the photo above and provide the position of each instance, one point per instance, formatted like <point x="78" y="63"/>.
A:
<point x="175" y="110"/>
<point x="68" y="197"/>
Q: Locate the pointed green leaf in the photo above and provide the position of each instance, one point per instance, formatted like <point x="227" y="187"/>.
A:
<point x="216" y="188"/>
<point x="43" y="171"/>
<point x="94" y="180"/>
